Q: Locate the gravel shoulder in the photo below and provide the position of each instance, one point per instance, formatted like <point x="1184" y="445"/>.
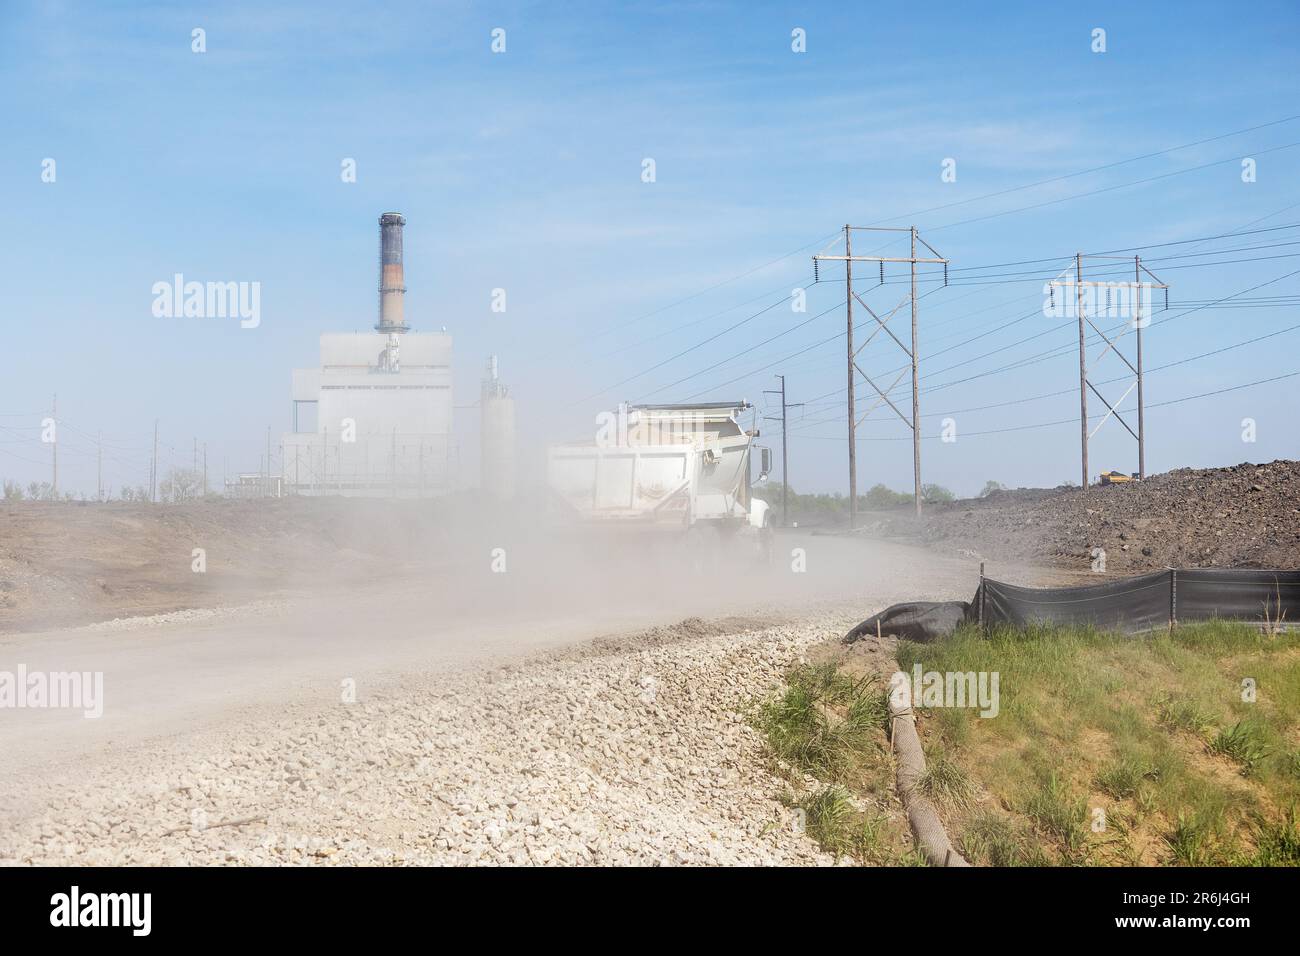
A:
<point x="629" y="750"/>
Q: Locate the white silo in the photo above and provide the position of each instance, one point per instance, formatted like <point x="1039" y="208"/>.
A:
<point x="497" y="437"/>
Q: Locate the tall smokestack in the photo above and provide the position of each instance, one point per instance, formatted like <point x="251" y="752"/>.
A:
<point x="392" y="285"/>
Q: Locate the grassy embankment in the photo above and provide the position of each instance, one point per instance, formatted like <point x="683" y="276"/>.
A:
<point x="1106" y="750"/>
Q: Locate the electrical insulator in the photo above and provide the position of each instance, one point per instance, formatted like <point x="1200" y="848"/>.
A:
<point x="882" y="273"/>
<point x="816" y="277"/>
<point x="945" y="275"/>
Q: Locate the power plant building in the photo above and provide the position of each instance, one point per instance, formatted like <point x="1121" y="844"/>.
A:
<point x="382" y="403"/>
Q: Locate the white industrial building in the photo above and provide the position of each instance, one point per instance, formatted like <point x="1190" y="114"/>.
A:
<point x="382" y="403"/>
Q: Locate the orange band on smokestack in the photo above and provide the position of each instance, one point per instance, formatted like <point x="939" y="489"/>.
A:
<point x="392" y="282"/>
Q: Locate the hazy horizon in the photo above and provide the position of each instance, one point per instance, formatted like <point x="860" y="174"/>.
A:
<point x="522" y="171"/>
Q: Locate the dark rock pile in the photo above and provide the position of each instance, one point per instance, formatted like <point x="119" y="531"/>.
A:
<point x="1243" y="516"/>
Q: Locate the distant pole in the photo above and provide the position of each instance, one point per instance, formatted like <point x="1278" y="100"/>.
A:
<point x="205" y="469"/>
<point x="881" y="325"/>
<point x="54" y="446"/>
<point x="785" y="458"/>
<point x="1142" y="434"/>
<point x="916" y="402"/>
<point x="853" y="419"/>
<point x="1112" y="345"/>
<point x="99" y="466"/>
<point x="785" y="464"/>
<point x="1083" y="368"/>
<point x="153" y="465"/>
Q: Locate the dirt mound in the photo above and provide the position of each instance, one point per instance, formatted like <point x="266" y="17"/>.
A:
<point x="74" y="562"/>
<point x="1245" y="516"/>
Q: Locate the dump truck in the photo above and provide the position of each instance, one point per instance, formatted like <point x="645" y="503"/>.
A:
<point x="675" y="469"/>
<point x="1116" y="477"/>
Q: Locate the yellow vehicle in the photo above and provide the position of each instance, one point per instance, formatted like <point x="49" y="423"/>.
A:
<point x="1116" y="477"/>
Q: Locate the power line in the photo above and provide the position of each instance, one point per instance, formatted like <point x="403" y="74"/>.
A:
<point x="1036" y="278"/>
<point x="1112" y="188"/>
<point x="716" y="285"/>
<point x="1075" y="420"/>
<point x="697" y="345"/>
<point x="992" y="195"/>
<point x="744" y="351"/>
<point x="1094" y="169"/>
<point x="1063" y="350"/>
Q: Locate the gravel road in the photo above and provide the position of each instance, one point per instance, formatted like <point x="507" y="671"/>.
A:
<point x="628" y="748"/>
<point x="635" y="751"/>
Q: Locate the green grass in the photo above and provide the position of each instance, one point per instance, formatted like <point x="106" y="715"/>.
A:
<point x="1277" y="843"/>
<point x="1059" y="813"/>
<point x="1176" y="748"/>
<point x="829" y="818"/>
<point x="831" y="726"/>
<point x="1121" y="778"/>
<point x="823" y="720"/>
<point x="992" y="840"/>
<point x="945" y="782"/>
<point x="1191" y="840"/>
<point x="1184" y="713"/>
<point x="1155" y="731"/>
<point x="1245" y="742"/>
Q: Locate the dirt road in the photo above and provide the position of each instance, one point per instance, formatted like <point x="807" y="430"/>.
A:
<point x="386" y="726"/>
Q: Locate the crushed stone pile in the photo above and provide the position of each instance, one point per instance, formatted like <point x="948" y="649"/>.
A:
<point x="1245" y="516"/>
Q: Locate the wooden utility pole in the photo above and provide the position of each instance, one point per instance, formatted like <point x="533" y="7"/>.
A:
<point x="153" y="465"/>
<point x="54" y="446"/>
<point x="785" y="456"/>
<point x="205" y="469"/>
<point x="882" y="325"/>
<point x="99" y="466"/>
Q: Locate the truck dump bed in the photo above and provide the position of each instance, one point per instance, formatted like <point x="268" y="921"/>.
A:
<point x="657" y="464"/>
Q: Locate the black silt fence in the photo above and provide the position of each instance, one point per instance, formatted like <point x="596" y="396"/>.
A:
<point x="1149" y="601"/>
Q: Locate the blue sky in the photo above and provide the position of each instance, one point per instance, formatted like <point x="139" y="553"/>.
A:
<point x="522" y="171"/>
